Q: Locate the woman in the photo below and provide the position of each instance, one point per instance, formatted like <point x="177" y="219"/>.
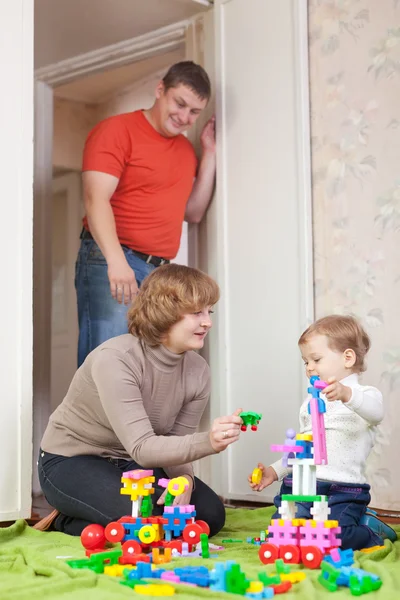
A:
<point x="136" y="403"/>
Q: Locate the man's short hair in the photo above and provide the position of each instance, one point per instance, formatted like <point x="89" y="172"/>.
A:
<point x="165" y="296"/>
<point x="190" y="74"/>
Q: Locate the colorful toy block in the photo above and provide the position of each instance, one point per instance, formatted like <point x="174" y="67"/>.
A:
<point x="251" y="419"/>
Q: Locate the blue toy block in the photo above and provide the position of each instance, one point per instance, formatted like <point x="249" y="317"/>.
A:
<point x="131" y="530"/>
<point x="307" y="452"/>
<point x="321" y="404"/>
<point x="198" y="575"/>
<point x="346" y="558"/>
<point x="143" y="570"/>
<point x="176" y="527"/>
<point x="268" y="592"/>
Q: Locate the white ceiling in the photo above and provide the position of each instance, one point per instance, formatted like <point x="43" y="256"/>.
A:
<point x="97" y="88"/>
<point x="67" y="28"/>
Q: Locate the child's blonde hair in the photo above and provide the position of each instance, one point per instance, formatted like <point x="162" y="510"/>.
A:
<point x="343" y="332"/>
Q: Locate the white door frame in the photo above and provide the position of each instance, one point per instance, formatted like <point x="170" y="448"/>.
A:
<point x="16" y="169"/>
<point x="145" y="46"/>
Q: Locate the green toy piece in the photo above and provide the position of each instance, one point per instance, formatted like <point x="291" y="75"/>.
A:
<point x="205" y="550"/>
<point x="294" y="498"/>
<point x="250" y="418"/>
<point x="146" y="507"/>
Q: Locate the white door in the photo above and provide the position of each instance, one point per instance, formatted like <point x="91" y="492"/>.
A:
<point x="16" y="175"/>
<point x="66" y="225"/>
<point x="259" y="227"/>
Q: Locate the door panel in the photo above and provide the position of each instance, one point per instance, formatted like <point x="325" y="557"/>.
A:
<point x="260" y="249"/>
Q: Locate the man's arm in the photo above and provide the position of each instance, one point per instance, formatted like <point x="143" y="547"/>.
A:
<point x="97" y="191"/>
<point x="203" y="186"/>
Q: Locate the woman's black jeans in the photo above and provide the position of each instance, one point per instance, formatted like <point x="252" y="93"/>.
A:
<point x="86" y="489"/>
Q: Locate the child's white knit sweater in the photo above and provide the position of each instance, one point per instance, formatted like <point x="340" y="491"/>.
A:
<point x="350" y="433"/>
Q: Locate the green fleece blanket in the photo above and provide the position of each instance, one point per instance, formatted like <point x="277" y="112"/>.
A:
<point x="33" y="565"/>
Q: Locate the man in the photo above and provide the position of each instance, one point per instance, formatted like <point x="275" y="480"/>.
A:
<point x="140" y="180"/>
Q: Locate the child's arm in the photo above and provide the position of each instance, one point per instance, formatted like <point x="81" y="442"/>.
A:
<point x="365" y="401"/>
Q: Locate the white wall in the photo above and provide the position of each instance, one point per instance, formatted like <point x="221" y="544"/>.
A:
<point x="16" y="174"/>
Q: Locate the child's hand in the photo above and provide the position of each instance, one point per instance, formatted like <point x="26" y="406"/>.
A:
<point x="268" y="476"/>
<point x="337" y="391"/>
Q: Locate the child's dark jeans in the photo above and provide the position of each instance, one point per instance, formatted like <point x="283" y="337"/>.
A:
<point x="348" y="503"/>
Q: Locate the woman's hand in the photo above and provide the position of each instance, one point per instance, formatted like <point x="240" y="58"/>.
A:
<point x="268" y="476"/>
<point x="182" y="498"/>
<point x="225" y="431"/>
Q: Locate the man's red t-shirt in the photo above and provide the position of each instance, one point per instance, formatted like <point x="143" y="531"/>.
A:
<point x="155" y="180"/>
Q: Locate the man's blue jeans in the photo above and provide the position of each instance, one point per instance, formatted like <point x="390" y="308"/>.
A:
<point x="100" y="316"/>
<point x="348" y="503"/>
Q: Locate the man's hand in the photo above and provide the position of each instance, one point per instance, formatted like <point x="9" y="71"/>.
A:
<point x="268" y="476"/>
<point x="207" y="138"/>
<point x="337" y="391"/>
<point x="182" y="498"/>
<point x="123" y="285"/>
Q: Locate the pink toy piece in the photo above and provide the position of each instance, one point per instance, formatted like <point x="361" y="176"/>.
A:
<point x="319" y="437"/>
<point x="320" y="536"/>
<point x="320" y="385"/>
<point x="170" y="576"/>
<point x="286" y="448"/>
<point x="138" y="474"/>
<point x="163" y="482"/>
<point x="335" y="554"/>
<point x="283" y="534"/>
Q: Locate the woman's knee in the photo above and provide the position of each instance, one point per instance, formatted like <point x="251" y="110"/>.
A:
<point x="209" y="507"/>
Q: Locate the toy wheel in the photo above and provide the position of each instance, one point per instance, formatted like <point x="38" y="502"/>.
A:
<point x="131" y="547"/>
<point x="147" y="534"/>
<point x="174" y="545"/>
<point x="243" y="427"/>
<point x="254" y="427"/>
<point x="290" y="554"/>
<point x="256" y="475"/>
<point x="115" y="532"/>
<point x="177" y="486"/>
<point x="191" y="533"/>
<point x="311" y="557"/>
<point x="92" y="537"/>
<point x="204" y="527"/>
<point x="268" y="553"/>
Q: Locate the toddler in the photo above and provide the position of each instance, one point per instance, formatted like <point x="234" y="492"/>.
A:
<point x="334" y="349"/>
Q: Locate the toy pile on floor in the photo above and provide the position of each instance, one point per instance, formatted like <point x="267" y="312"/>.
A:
<point x="147" y="542"/>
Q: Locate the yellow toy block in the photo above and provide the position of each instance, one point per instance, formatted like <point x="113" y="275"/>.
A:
<point x="152" y="589"/>
<point x="255" y="587"/>
<point x="294" y="577"/>
<point x="116" y="570"/>
<point x="304" y="437"/>
<point x="372" y="549"/>
<point x="298" y="522"/>
<point x="331" y="524"/>
<point x="256" y="475"/>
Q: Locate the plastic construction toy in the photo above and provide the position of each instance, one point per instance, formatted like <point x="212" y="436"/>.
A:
<point x="145" y="538"/>
<point x="338" y="570"/>
<point x="299" y="540"/>
<point x="251" y="419"/>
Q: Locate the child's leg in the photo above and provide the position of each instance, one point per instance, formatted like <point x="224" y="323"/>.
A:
<point x="303" y="508"/>
<point x="348" y="503"/>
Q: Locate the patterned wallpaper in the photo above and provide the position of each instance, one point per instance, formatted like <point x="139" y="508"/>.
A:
<point x="355" y="106"/>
